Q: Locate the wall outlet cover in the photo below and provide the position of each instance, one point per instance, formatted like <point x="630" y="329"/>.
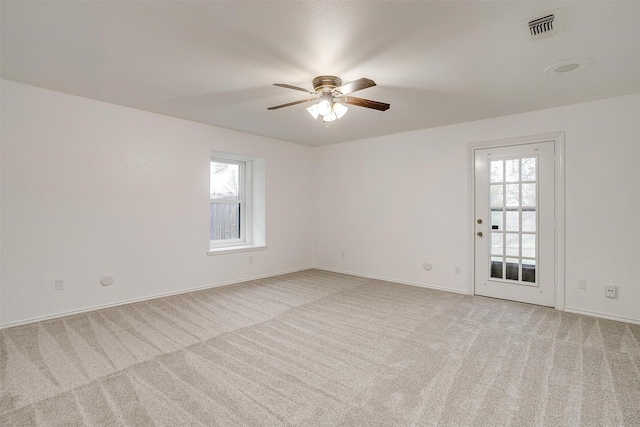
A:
<point x="610" y="291"/>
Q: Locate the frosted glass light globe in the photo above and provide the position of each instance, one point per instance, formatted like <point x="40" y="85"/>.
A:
<point x="340" y="109"/>
<point x="328" y="118"/>
<point x="324" y="107"/>
<point x="313" y="110"/>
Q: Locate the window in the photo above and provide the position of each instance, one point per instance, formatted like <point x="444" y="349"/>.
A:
<point x="236" y="203"/>
<point x="513" y="219"/>
<point x="228" y="207"/>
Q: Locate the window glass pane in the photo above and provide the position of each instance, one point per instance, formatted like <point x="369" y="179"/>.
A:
<point x="513" y="269"/>
<point x="513" y="194"/>
<point x="224" y="181"/>
<point x="528" y="270"/>
<point x="496" y="170"/>
<point x="225" y="221"/>
<point x="496" y="220"/>
<point x="497" y="196"/>
<point x="529" y="245"/>
<point x="496" y="267"/>
<point x="528" y="194"/>
<point x="512" y="244"/>
<point x="496" y="243"/>
<point x="528" y="220"/>
<point x="529" y="169"/>
<point x="512" y="170"/>
<point x="513" y="221"/>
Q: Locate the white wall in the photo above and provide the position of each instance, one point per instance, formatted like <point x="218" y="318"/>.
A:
<point x="395" y="202"/>
<point x="90" y="188"/>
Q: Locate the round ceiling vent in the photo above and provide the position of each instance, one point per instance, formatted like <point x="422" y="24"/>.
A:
<point x="568" y="66"/>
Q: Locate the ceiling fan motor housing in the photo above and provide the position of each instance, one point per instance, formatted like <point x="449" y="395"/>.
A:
<point x="325" y="84"/>
<point x="333" y="92"/>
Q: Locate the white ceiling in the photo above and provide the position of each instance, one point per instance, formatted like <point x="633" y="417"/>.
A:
<point x="436" y="63"/>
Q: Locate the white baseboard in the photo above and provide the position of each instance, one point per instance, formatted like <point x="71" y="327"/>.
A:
<point x="440" y="288"/>
<point x="147" y="298"/>
<point x="602" y="315"/>
<point x="389" y="279"/>
<point x="248" y="279"/>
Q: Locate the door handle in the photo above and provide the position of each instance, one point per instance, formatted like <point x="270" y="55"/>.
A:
<point x="479" y="233"/>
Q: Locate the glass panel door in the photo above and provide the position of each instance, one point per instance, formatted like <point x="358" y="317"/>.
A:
<point x="515" y="222"/>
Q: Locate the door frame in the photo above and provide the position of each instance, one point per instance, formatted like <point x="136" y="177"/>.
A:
<point x="559" y="234"/>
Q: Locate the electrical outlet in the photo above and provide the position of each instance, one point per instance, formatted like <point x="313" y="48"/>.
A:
<point x="457" y="270"/>
<point x="582" y="284"/>
<point x="250" y="260"/>
<point x="342" y="254"/>
<point x="610" y="291"/>
<point x="59" y="284"/>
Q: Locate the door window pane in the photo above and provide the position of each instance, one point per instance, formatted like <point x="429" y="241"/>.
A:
<point x="528" y="194"/>
<point x="512" y="244"/>
<point x="513" y="269"/>
<point x="496" y="220"/>
<point x="512" y="170"/>
<point x="496" y="243"/>
<point x="496" y="171"/>
<point x="528" y="270"/>
<point x="529" y="245"/>
<point x="528" y="220"/>
<point x="496" y="268"/>
<point x="497" y="196"/>
<point x="513" y="194"/>
<point x="529" y="169"/>
<point x="513" y="221"/>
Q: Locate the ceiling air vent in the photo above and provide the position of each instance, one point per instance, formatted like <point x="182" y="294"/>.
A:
<point x="544" y="25"/>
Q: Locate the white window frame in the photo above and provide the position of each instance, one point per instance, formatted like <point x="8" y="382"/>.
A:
<point x="244" y="200"/>
<point x="251" y="189"/>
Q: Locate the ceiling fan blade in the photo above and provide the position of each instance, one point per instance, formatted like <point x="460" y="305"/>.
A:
<point x="290" y="104"/>
<point x="292" y="87"/>
<point x="355" y="85"/>
<point x="367" y="103"/>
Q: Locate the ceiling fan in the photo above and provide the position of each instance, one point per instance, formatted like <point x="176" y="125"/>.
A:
<point x="333" y="97"/>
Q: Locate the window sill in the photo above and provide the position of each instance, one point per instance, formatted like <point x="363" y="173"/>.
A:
<point x="235" y="249"/>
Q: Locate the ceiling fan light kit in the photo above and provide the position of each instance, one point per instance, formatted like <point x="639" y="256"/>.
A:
<point x="331" y="102"/>
<point x="340" y="109"/>
<point x="328" y="108"/>
<point x="324" y="106"/>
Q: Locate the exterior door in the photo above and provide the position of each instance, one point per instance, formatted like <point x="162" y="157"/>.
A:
<point x="515" y="223"/>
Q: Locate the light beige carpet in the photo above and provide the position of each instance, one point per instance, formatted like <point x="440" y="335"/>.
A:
<point x="321" y="349"/>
